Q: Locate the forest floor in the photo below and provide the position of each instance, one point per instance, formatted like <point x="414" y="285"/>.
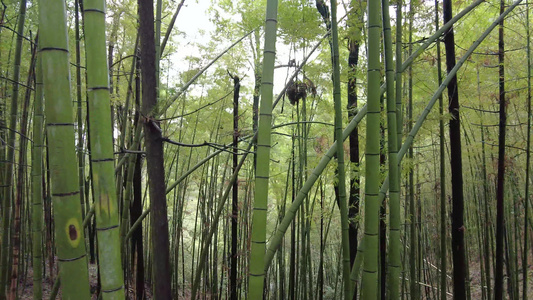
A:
<point x="26" y="286"/>
<point x="26" y="283"/>
<point x="476" y="288"/>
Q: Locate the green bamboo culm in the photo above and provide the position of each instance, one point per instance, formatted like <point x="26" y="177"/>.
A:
<point x="103" y="169"/>
<point x="410" y="198"/>
<point x="370" y="284"/>
<point x="69" y="234"/>
<point x="442" y="172"/>
<point x="394" y="262"/>
<point x="256" y="276"/>
<point x="340" y="153"/>
<point x="36" y="183"/>
<point x="528" y="156"/>
<point x="399" y="70"/>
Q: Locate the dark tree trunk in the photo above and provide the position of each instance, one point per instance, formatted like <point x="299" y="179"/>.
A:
<point x="235" y="194"/>
<point x="48" y="214"/>
<point x="382" y="217"/>
<point x="153" y="141"/>
<point x="353" y="196"/>
<point x="320" y="277"/>
<point x="292" y="261"/>
<point x="498" y="272"/>
<point x="353" y="200"/>
<point x="458" y="247"/>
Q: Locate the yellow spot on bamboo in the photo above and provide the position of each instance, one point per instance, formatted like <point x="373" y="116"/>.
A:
<point x="104" y="205"/>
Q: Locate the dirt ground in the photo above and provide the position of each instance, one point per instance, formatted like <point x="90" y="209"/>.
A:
<point x="26" y="284"/>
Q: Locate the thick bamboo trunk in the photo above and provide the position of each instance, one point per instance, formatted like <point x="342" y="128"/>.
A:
<point x="370" y="285"/>
<point x="69" y="235"/>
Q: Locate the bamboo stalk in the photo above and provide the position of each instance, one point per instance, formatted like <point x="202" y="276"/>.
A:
<point x="102" y="161"/>
<point x="69" y="235"/>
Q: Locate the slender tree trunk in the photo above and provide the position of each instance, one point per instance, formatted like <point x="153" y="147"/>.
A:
<point x="257" y="87"/>
<point x="37" y="182"/>
<point x="458" y="246"/>
<point x="136" y="208"/>
<point x="394" y="260"/>
<point x="137" y="237"/>
<point x="500" y="193"/>
<point x="442" y="173"/>
<point x="235" y="193"/>
<point x="413" y="285"/>
<point x="320" y="279"/>
<point x="292" y="259"/>
<point x="257" y="274"/>
<point x="154" y="154"/>
<point x="81" y="156"/>
<point x="354" y="196"/>
<point x="528" y="160"/>
<point x="340" y="154"/>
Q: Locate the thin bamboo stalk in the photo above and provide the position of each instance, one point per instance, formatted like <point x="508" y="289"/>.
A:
<point x="528" y="158"/>
<point x="394" y="261"/>
<point x="341" y="184"/>
<point x="442" y="167"/>
<point x="37" y="188"/>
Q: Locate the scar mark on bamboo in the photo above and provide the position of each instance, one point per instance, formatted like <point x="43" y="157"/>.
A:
<point x="72" y="232"/>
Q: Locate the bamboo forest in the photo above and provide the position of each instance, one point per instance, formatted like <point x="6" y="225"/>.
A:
<point x="266" y="149"/>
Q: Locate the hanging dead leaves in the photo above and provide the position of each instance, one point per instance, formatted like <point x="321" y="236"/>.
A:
<point x="297" y="90"/>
